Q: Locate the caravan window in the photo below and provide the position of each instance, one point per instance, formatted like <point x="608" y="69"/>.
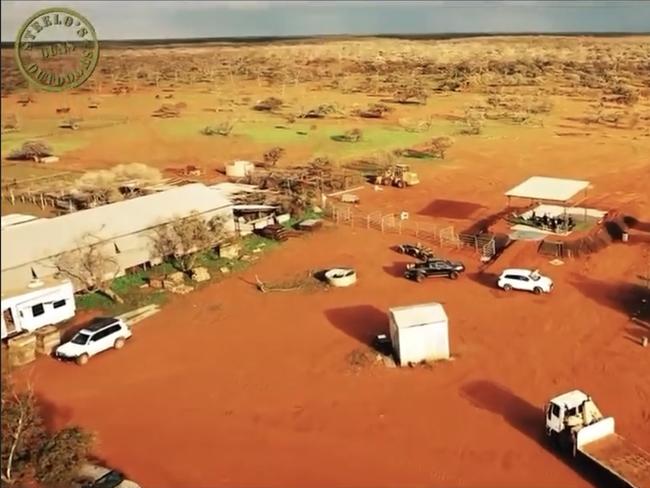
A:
<point x="58" y="304"/>
<point x="37" y="310"/>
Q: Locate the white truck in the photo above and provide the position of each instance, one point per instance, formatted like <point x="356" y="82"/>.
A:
<point x="575" y="424"/>
<point x="42" y="302"/>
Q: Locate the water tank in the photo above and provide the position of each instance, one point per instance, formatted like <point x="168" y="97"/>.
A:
<point x="239" y="169"/>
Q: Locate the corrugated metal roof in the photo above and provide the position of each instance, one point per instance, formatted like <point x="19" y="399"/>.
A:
<point x="15" y="219"/>
<point x="545" y="188"/>
<point x="414" y="315"/>
<point x="44" y="238"/>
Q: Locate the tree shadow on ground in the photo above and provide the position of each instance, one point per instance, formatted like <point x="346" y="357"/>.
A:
<point x="630" y="298"/>
<point x="54" y="416"/>
<point x="529" y="420"/>
<point x="620" y="296"/>
<point x="361" y="322"/>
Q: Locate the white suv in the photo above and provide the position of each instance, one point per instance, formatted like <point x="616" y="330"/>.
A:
<point x="100" y="334"/>
<point x="525" y="279"/>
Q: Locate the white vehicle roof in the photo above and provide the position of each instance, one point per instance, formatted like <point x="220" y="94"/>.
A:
<point x="570" y="399"/>
<point x="518" y="271"/>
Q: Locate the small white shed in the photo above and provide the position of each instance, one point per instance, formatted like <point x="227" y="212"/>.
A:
<point x="419" y="333"/>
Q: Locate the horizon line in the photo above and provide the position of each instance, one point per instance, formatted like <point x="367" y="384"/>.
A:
<point x="389" y="35"/>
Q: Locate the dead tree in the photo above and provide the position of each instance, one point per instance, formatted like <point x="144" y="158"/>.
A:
<point x="90" y="266"/>
<point x="181" y="240"/>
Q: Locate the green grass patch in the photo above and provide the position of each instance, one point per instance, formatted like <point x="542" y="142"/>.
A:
<point x="128" y="287"/>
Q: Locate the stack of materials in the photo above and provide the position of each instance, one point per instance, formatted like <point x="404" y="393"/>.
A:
<point x="310" y="224"/>
<point x="47" y="339"/>
<point x="22" y="349"/>
<point x="200" y="274"/>
<point x="173" y="280"/>
<point x="276" y="232"/>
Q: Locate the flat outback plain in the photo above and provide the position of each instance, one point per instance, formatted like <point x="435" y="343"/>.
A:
<point x="227" y="386"/>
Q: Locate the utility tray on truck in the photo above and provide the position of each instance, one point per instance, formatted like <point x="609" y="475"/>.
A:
<point x="622" y="458"/>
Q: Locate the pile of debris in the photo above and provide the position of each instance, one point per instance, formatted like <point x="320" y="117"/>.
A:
<point x="277" y="232"/>
<point x="318" y="175"/>
<point x="304" y="282"/>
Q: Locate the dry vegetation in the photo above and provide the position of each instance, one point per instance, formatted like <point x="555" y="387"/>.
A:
<point x="402" y="71"/>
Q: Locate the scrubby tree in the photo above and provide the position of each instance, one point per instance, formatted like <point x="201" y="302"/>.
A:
<point x="31" y="150"/>
<point x="472" y="122"/>
<point x="223" y="128"/>
<point x="273" y="155"/>
<point x="438" y="146"/>
<point x="32" y="456"/>
<point x="352" y="135"/>
<point x="181" y="239"/>
<point x="90" y="265"/>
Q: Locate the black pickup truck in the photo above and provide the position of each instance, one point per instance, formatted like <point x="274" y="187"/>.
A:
<point x="433" y="268"/>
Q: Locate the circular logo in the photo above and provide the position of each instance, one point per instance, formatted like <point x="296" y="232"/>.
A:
<point x="57" y="49"/>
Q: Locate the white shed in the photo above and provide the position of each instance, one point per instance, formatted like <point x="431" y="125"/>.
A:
<point x="419" y="332"/>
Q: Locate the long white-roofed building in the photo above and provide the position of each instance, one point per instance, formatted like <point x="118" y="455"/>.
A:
<point x="124" y="229"/>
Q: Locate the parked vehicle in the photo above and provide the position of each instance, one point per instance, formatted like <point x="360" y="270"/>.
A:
<point x="41" y="303"/>
<point x="433" y="268"/>
<point x="416" y="250"/>
<point x="576" y="426"/>
<point x="525" y="279"/>
<point x="94" y="476"/>
<point x="100" y="334"/>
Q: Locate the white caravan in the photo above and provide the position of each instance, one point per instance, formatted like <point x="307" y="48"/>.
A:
<point x="41" y="303"/>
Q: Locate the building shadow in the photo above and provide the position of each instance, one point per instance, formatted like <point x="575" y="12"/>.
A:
<point x="361" y="322"/>
<point x="451" y="209"/>
<point x="529" y="420"/>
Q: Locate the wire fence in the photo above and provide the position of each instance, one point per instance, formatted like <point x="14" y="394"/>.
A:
<point x="439" y="234"/>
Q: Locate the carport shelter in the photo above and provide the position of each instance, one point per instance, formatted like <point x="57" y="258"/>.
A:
<point x="556" y="191"/>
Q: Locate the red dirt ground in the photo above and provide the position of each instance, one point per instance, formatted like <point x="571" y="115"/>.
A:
<point x="231" y="387"/>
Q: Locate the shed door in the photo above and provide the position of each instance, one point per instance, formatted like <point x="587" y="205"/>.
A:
<point x="9" y="321"/>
